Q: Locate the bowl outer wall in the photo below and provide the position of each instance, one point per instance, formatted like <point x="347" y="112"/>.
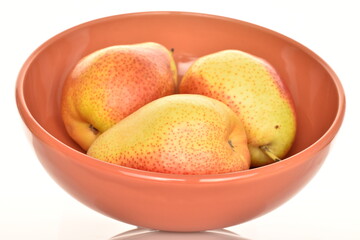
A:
<point x="197" y="205"/>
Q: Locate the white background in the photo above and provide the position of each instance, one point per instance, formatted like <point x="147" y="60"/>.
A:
<point x="32" y="206"/>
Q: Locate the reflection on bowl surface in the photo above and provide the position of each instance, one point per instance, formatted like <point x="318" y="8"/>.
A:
<point x="147" y="234"/>
<point x="176" y="202"/>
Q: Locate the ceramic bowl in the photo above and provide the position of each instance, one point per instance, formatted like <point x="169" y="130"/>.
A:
<point x="179" y="202"/>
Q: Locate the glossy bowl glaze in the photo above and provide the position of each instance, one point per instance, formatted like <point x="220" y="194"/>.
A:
<point x="177" y="202"/>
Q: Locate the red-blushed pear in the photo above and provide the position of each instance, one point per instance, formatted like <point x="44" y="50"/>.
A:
<point x="251" y="87"/>
<point x="113" y="82"/>
<point x="177" y="134"/>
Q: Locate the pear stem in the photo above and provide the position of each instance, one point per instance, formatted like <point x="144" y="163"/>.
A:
<point x="93" y="129"/>
<point x="231" y="145"/>
<point x="269" y="153"/>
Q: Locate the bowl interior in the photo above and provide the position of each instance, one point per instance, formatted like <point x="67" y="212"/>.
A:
<point x="191" y="35"/>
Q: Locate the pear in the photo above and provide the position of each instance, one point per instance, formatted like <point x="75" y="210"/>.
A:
<point x="177" y="134"/>
<point x="111" y="83"/>
<point x="252" y="88"/>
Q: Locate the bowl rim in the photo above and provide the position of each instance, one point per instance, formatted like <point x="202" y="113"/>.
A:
<point x="98" y="165"/>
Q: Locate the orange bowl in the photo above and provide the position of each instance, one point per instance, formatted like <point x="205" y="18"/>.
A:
<point x="179" y="202"/>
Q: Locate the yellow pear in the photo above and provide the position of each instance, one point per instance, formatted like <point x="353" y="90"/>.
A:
<point x="251" y="87"/>
<point x="113" y="82"/>
<point x="178" y="134"/>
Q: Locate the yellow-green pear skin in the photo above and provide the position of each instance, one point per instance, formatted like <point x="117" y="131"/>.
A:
<point x="178" y="134"/>
<point x="111" y="83"/>
<point x="251" y="87"/>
